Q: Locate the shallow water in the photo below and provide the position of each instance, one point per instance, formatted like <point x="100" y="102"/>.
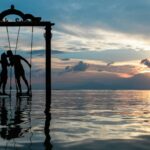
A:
<point x="100" y="120"/>
<point x="22" y="122"/>
<point x="79" y="120"/>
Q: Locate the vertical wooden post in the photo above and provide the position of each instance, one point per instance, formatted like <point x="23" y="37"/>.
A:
<point x="48" y="36"/>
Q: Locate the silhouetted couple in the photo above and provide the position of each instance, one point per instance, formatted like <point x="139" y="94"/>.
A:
<point x="15" y="61"/>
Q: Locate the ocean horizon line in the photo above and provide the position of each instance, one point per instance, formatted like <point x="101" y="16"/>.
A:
<point x="100" y="89"/>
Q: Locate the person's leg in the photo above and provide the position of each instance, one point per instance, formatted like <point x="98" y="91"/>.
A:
<point x="26" y="82"/>
<point x="4" y="85"/>
<point x="0" y="83"/>
<point x="1" y="86"/>
<point x="2" y="79"/>
<point x="18" y="84"/>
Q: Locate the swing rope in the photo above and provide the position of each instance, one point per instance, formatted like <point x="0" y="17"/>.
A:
<point x="16" y="51"/>
<point x="17" y="40"/>
<point x="10" y="81"/>
<point x="16" y="47"/>
<point x="8" y="37"/>
<point x="15" y="54"/>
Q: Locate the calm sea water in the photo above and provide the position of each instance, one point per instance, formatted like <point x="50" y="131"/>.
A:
<point x="79" y="120"/>
<point x="22" y="122"/>
<point x="100" y="120"/>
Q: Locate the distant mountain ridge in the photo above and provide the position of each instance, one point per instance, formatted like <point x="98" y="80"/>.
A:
<point x="112" y="82"/>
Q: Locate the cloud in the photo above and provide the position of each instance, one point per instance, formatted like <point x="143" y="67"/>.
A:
<point x="81" y="66"/>
<point x="110" y="63"/>
<point x="146" y="62"/>
<point x="123" y="16"/>
<point x="107" y="55"/>
<point x="56" y="52"/>
<point x="42" y="52"/>
<point x="24" y="41"/>
<point x="75" y="38"/>
<point x="112" y="24"/>
<point x="65" y="59"/>
<point x="129" y="68"/>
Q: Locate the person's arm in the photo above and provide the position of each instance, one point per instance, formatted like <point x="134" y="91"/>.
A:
<point x="25" y="61"/>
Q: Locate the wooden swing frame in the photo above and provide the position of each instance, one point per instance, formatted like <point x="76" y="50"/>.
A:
<point x="28" y="20"/>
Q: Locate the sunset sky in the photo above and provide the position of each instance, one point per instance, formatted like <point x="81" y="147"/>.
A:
<point x="97" y="44"/>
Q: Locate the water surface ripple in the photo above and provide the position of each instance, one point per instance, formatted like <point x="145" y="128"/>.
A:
<point x="98" y="120"/>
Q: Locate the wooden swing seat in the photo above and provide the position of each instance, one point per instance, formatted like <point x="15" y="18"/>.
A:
<point x="24" y="94"/>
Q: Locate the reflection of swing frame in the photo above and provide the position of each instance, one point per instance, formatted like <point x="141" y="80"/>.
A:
<point x="30" y="20"/>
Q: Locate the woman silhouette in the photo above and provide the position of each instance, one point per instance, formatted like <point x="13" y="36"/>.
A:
<point x="4" y="72"/>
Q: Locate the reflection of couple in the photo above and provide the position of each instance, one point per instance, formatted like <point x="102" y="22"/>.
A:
<point x="15" y="61"/>
<point x="12" y="125"/>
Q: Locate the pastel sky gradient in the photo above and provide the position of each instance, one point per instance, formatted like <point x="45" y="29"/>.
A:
<point x="97" y="44"/>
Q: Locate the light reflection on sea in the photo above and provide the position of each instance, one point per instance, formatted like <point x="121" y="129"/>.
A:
<point x="96" y="120"/>
<point x="80" y="120"/>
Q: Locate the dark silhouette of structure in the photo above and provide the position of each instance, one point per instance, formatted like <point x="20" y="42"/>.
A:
<point x="47" y="142"/>
<point x="12" y="126"/>
<point x="3" y="118"/>
<point x="15" y="60"/>
<point x="4" y="72"/>
<point x="28" y="20"/>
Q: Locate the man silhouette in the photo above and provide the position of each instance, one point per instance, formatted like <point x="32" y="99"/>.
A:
<point x="4" y="72"/>
<point x="15" y="60"/>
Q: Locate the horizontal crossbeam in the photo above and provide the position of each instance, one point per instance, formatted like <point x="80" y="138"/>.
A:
<point x="15" y="24"/>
